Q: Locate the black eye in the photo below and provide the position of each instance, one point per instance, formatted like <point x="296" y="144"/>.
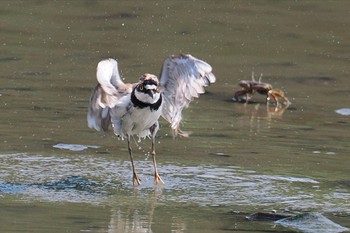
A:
<point x="141" y="87"/>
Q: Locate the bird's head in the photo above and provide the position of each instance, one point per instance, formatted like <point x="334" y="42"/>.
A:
<point x="147" y="90"/>
<point x="148" y="84"/>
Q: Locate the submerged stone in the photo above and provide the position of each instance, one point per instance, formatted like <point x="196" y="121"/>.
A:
<point x="312" y="223"/>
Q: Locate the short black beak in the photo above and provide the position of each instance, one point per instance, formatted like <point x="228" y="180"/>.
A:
<point x="150" y="93"/>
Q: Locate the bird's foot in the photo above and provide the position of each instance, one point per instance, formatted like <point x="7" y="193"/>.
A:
<point x="136" y="179"/>
<point x="157" y="179"/>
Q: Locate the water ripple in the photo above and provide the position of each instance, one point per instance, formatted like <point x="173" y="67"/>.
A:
<point x="84" y="178"/>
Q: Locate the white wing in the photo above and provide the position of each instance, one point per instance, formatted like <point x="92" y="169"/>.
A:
<point x="108" y="77"/>
<point x="109" y="90"/>
<point x="182" y="79"/>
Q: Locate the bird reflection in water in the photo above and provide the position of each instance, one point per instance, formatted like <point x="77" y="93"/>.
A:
<point x="137" y="215"/>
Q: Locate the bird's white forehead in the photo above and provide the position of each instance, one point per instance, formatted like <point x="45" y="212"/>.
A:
<point x="150" y="86"/>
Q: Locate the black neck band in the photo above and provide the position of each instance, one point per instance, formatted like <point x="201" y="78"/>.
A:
<point x="139" y="104"/>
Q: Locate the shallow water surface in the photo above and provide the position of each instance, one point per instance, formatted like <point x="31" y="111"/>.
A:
<point x="104" y="184"/>
<point x="57" y="175"/>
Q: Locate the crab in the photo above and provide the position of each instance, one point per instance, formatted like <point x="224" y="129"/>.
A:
<point x="250" y="87"/>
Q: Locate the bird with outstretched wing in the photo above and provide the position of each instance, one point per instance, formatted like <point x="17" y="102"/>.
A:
<point x="134" y="109"/>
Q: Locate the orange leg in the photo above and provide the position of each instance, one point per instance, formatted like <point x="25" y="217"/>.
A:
<point x="157" y="178"/>
<point x="153" y="130"/>
<point x="136" y="178"/>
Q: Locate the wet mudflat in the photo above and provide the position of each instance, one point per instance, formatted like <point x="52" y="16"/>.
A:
<point x="58" y="175"/>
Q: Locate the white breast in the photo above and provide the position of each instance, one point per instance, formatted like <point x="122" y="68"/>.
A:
<point x="130" y="120"/>
<point x="140" y="120"/>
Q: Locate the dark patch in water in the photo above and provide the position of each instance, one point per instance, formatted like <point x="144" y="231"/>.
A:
<point x="255" y="152"/>
<point x="342" y="122"/>
<point x="283" y="64"/>
<point x="342" y="183"/>
<point x="7" y="59"/>
<point x="216" y="135"/>
<point x="103" y="152"/>
<point x="267" y="216"/>
<point x="292" y="108"/>
<point x="40" y="108"/>
<point x="69" y="183"/>
<point x="314" y="79"/>
<point x="122" y="15"/>
<point x="73" y="182"/>
<point x="306" y="128"/>
<point x="36" y="73"/>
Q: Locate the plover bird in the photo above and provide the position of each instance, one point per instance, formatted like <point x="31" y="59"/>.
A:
<point x="134" y="109"/>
